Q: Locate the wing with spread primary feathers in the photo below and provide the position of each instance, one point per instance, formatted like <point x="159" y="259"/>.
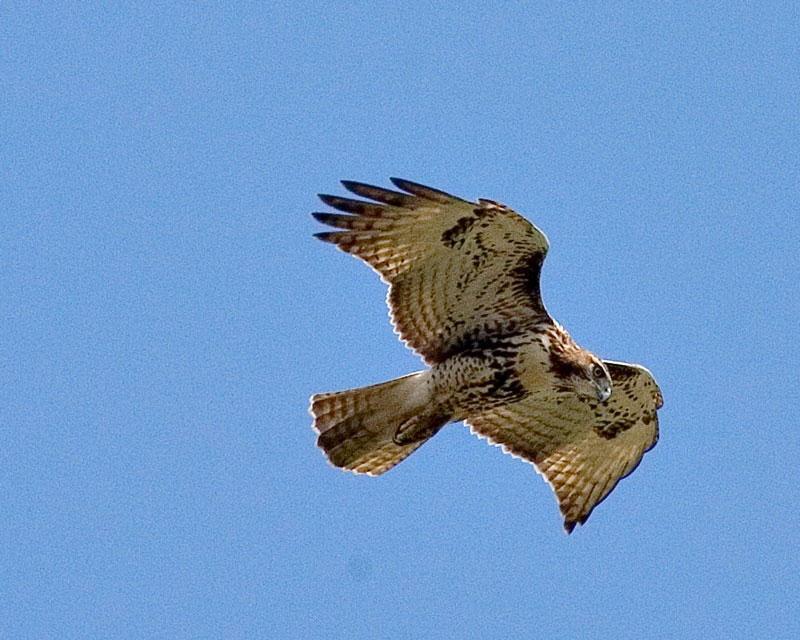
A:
<point x="582" y="448"/>
<point x="457" y="270"/>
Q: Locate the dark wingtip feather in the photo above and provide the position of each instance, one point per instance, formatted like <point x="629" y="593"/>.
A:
<point x="379" y="194"/>
<point x="348" y="205"/>
<point x="354" y="186"/>
<point x="327" y="198"/>
<point x="422" y="191"/>
<point x="343" y="222"/>
<point x="331" y="218"/>
<point x="327" y="236"/>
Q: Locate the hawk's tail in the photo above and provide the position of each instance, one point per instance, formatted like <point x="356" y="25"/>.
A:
<point x="371" y="429"/>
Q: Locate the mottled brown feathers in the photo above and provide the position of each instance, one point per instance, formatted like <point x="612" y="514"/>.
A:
<point x="481" y="261"/>
<point x="464" y="293"/>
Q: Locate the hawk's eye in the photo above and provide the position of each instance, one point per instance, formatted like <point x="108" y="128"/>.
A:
<point x="597" y="371"/>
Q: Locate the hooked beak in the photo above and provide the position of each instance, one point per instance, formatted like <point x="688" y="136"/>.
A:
<point x="603" y="390"/>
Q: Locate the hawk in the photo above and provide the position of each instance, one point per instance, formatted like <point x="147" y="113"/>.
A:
<point x="464" y="294"/>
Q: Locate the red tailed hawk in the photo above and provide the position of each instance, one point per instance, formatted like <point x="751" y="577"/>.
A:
<point x="464" y="294"/>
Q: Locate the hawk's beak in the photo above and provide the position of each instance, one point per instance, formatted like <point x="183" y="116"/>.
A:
<point x="603" y="391"/>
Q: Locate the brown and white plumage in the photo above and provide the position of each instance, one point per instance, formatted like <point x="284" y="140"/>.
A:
<point x="582" y="447"/>
<point x="464" y="293"/>
<point x="456" y="269"/>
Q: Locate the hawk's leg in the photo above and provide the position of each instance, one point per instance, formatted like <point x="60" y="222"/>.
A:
<point x="422" y="426"/>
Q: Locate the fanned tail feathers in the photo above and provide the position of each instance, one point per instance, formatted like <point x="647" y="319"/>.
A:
<point x="358" y="428"/>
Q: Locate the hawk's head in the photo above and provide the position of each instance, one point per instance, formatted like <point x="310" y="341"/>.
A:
<point x="598" y="378"/>
<point x="579" y="369"/>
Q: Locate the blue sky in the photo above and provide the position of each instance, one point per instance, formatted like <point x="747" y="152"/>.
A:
<point x="167" y="314"/>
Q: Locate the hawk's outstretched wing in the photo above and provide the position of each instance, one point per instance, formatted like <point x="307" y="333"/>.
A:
<point x="458" y="271"/>
<point x="582" y="448"/>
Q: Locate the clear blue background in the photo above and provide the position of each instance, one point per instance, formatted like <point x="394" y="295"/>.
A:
<point x="166" y="315"/>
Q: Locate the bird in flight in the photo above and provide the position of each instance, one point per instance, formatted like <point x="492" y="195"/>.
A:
<point x="464" y="294"/>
